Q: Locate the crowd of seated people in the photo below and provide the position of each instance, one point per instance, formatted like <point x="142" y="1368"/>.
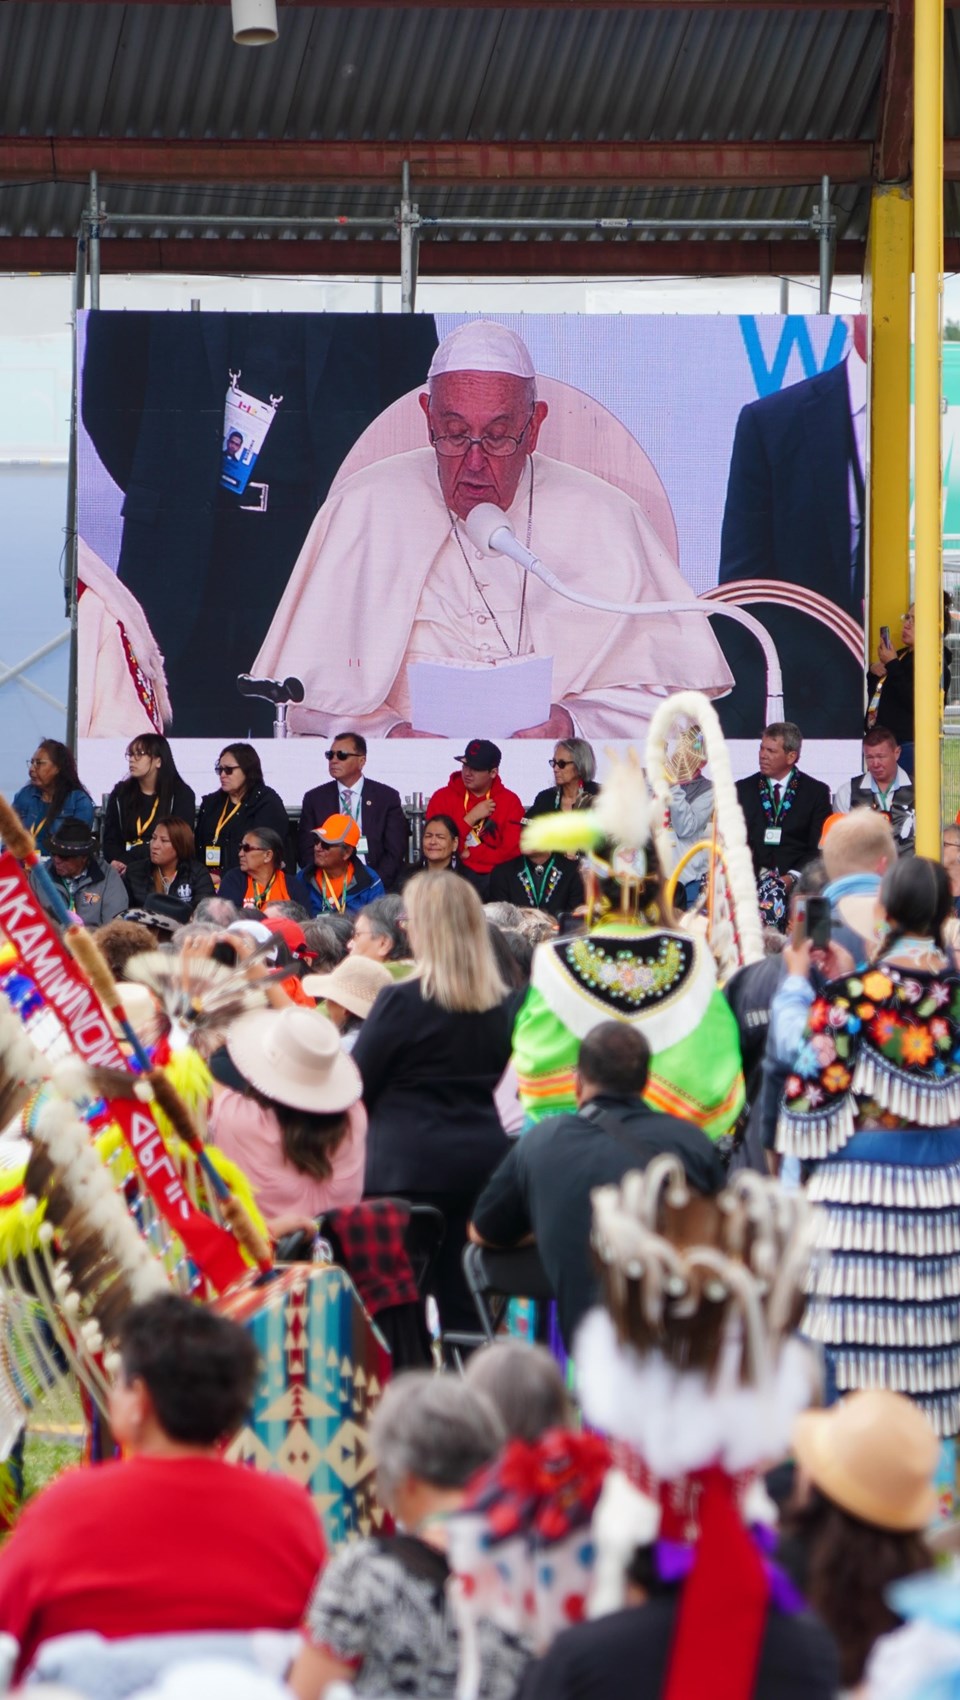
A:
<point x="351" y="846"/>
<point x="380" y="1069"/>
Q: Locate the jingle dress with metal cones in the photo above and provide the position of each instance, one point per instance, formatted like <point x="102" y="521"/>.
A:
<point x="874" y="1101"/>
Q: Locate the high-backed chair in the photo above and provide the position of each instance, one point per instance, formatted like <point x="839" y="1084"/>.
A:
<point x="579" y="430"/>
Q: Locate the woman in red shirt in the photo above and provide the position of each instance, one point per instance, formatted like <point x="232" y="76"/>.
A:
<point x="171" y="1537"/>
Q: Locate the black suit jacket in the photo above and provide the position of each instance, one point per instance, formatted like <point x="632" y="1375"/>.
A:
<point x="787" y="517"/>
<point x="428" y="1081"/>
<point x="506" y="886"/>
<point x="801" y="824"/>
<point x="152" y="399"/>
<point x="383" y="824"/>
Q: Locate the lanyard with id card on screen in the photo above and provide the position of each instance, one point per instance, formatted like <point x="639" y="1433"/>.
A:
<point x="246" y="421"/>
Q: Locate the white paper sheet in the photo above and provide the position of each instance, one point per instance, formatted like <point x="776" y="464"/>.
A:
<point x="455" y="700"/>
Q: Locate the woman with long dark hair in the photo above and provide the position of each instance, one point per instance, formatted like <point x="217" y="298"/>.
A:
<point x="298" y="1127"/>
<point x="866" y="1472"/>
<point x="439" y="848"/>
<point x="873" y="1101"/>
<point x="153" y="789"/>
<point x="244" y="800"/>
<point x="53" y="793"/>
<point x="890" y="682"/>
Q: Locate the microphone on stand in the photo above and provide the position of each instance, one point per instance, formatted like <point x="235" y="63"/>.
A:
<point x="489" y="529"/>
<point x="277" y="691"/>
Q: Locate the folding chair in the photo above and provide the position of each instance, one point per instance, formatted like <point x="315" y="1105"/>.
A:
<point x="425" y="1234"/>
<point x="404" y="1327"/>
<point x="495" y="1277"/>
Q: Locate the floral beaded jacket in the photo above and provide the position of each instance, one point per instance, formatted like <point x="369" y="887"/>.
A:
<point x="881" y="1049"/>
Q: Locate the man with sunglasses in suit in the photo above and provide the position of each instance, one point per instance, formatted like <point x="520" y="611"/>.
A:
<point x="376" y="808"/>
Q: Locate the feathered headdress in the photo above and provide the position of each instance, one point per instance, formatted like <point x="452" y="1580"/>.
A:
<point x="690" y="1368"/>
<point x="684" y="731"/>
<point x="84" y="1250"/>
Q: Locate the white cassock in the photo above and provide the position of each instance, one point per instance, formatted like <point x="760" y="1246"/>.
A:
<point x="121" y="681"/>
<point x="387" y="577"/>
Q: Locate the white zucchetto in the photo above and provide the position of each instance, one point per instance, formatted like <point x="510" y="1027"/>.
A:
<point x="482" y="346"/>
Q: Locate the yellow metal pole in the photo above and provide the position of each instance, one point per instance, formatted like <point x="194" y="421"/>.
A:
<point x="886" y="297"/>
<point x="928" y="283"/>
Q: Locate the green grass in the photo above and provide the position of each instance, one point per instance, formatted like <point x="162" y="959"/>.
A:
<point x="45" y="1457"/>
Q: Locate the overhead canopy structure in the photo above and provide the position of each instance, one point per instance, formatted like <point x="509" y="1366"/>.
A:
<point x="657" y="137"/>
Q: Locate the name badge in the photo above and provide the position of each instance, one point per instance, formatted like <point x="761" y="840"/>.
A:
<point x="211" y="856"/>
<point x="362" y="846"/>
<point x="246" y="421"/>
<point x="773" y="835"/>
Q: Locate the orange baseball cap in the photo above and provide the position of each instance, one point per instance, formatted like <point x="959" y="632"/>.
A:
<point x="339" y="829"/>
<point x="828" y="824"/>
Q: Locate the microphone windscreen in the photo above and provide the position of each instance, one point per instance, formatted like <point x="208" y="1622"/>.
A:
<point x="294" y="689"/>
<point x="481" y="523"/>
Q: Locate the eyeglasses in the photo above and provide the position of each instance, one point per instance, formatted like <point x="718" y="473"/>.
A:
<point x="221" y="767"/>
<point x="339" y="755"/>
<point x="456" y="446"/>
<point x="553" y="763"/>
<point x="252" y="850"/>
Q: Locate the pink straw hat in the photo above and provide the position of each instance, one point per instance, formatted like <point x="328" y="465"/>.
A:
<point x="354" y="984"/>
<point x="294" y="1056"/>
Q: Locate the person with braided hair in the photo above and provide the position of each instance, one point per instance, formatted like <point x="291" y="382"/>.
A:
<point x="873" y="1101"/>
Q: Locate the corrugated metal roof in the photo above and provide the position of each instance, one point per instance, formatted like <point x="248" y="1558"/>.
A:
<point x="438" y="74"/>
<point x="404" y="72"/>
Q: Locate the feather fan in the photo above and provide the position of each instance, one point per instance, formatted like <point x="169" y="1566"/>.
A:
<point x="197" y="994"/>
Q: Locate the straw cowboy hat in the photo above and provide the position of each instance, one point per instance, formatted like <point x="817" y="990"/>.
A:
<point x="353" y="984"/>
<point x="294" y="1056"/>
<point x="874" y="1455"/>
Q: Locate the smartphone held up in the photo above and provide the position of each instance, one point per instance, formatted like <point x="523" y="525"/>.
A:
<point x="812" y="922"/>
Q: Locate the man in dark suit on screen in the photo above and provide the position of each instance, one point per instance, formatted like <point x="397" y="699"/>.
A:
<point x="209" y="563"/>
<point x="376" y="808"/>
<point x="783" y="809"/>
<point x="795" y="513"/>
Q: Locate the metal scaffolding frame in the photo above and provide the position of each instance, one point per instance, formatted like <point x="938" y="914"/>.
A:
<point x="410" y="224"/>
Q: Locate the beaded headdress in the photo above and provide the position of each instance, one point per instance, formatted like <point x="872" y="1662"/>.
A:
<point x="690" y="1370"/>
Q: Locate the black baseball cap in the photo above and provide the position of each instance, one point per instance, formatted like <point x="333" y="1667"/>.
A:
<point x="481" y="755"/>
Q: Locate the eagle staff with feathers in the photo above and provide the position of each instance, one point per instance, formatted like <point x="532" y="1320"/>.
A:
<point x="80" y="1240"/>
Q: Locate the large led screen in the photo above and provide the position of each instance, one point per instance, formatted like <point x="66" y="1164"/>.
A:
<point x="284" y="497"/>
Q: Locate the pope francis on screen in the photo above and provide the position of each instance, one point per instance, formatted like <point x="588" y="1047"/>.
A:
<point x="394" y="620"/>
